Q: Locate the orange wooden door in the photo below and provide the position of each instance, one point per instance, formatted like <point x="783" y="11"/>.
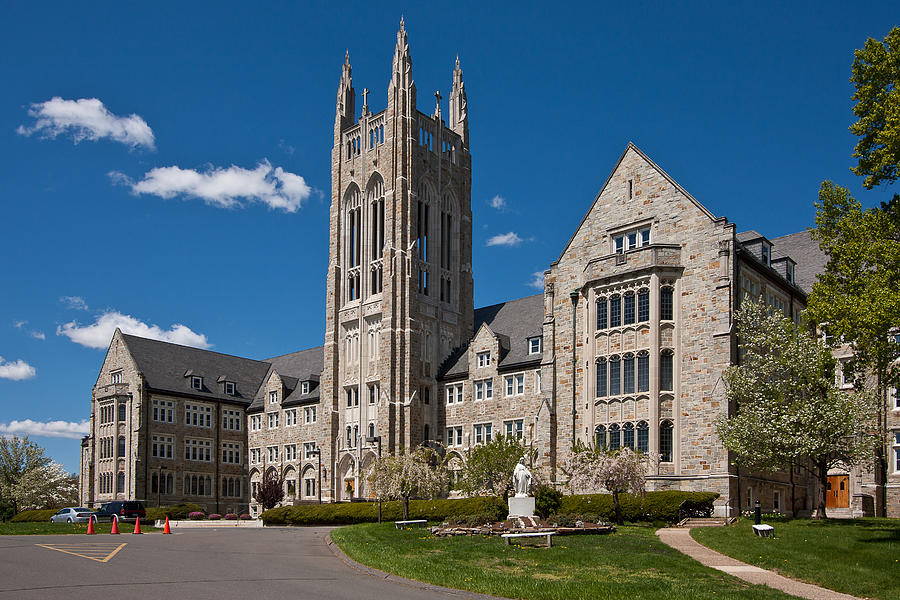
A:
<point x="838" y="492"/>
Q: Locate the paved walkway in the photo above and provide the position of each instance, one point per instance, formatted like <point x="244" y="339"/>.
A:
<point x="681" y="540"/>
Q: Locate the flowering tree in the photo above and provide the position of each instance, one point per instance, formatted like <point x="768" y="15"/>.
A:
<point x="489" y="467"/>
<point x="788" y="410"/>
<point x="270" y="491"/>
<point x="30" y="480"/>
<point x="415" y="473"/>
<point x="592" y="470"/>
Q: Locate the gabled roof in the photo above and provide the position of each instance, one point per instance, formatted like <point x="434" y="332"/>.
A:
<point x="806" y="253"/>
<point x="749" y="236"/>
<point x="293" y="368"/>
<point x="640" y="153"/>
<point x="513" y="322"/>
<point x="164" y="364"/>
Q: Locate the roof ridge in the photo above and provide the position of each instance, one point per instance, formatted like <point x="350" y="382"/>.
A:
<point x="294" y="352"/>
<point x="508" y="301"/>
<point x="155" y="341"/>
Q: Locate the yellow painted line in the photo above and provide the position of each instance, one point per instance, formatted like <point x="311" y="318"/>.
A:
<point x="102" y="550"/>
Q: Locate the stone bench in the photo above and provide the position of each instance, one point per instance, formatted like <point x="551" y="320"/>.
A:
<point x="764" y="530"/>
<point x="546" y="534"/>
<point x="413" y="523"/>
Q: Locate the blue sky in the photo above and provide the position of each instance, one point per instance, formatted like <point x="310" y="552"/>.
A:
<point x="746" y="106"/>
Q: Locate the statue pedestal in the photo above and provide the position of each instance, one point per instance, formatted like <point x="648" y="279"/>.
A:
<point x="521" y="506"/>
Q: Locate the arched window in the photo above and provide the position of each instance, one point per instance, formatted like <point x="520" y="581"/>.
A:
<point x="372" y="430"/>
<point x="600" y="437"/>
<point x="209" y="485"/>
<point x="666" y="304"/>
<point x="349" y="437"/>
<point x="355" y="435"/>
<point x="665" y="441"/>
<point x="154" y="483"/>
<point x="225" y="481"/>
<point x="615" y="311"/>
<point x="643" y="305"/>
<point x="601" y="378"/>
<point x="120" y="449"/>
<point x="120" y="482"/>
<point x="602" y="314"/>
<point x="643" y="436"/>
<point x="628" y="435"/>
<point x="643" y="371"/>
<point x="628" y="310"/>
<point x="628" y="374"/>
<point x="237" y="487"/>
<point x="187" y="485"/>
<point x="615" y="376"/>
<point x="352" y="241"/>
<point x="666" y="370"/>
<point x="615" y="441"/>
<point x="375" y="195"/>
<point x="170" y="484"/>
<point x="121" y="412"/>
<point x="423" y="226"/>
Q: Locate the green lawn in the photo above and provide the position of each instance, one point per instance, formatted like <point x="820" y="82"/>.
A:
<point x="859" y="556"/>
<point x="65" y="528"/>
<point x="630" y="564"/>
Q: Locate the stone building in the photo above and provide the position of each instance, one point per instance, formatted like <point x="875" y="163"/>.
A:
<point x="625" y="347"/>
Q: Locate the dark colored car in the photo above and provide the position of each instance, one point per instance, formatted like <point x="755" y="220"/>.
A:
<point x="124" y="510"/>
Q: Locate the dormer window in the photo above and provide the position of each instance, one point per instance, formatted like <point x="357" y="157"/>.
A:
<point x="789" y="272"/>
<point x="534" y="345"/>
<point x="304" y="387"/>
<point x="196" y="382"/>
<point x="273" y="397"/>
<point x="230" y="388"/>
<point x="766" y="253"/>
<point x="483" y="359"/>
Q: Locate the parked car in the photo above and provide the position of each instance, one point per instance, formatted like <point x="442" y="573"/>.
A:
<point x="123" y="510"/>
<point x="72" y="515"/>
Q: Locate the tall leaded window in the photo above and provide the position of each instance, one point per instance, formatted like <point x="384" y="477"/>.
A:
<point x="602" y="316"/>
<point x="376" y="233"/>
<point x="423" y="218"/>
<point x="665" y="441"/>
<point x="666" y="304"/>
<point x="352" y="241"/>
<point x="643" y="436"/>
<point x="615" y="311"/>
<point x="628" y="435"/>
<point x="600" y="437"/>
<point x="120" y="450"/>
<point x="601" y="378"/>
<point x="643" y="371"/>
<point x="615" y="376"/>
<point x="615" y="439"/>
<point x="643" y="305"/>
<point x="628" y="374"/>
<point x="628" y="310"/>
<point x="666" y="370"/>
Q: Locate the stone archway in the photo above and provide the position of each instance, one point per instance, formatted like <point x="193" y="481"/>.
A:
<point x="346" y="477"/>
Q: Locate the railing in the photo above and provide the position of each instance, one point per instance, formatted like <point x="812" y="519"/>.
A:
<point x="652" y="256"/>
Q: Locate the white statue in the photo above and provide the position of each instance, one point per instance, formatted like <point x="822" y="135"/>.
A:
<point x="522" y="479"/>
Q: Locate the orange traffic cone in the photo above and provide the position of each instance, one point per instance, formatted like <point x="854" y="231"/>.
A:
<point x="166" y="528"/>
<point x="137" y="525"/>
<point x="90" y="530"/>
<point x="115" y="525"/>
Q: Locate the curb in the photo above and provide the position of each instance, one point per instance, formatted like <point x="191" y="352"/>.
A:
<point x="420" y="585"/>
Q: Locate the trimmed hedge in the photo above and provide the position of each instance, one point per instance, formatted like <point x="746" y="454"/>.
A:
<point x="652" y="506"/>
<point x="367" y="512"/>
<point x="176" y="512"/>
<point x="34" y="516"/>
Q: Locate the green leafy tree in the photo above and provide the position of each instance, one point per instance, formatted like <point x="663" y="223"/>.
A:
<point x="29" y="480"/>
<point x="876" y="75"/>
<point x="856" y="295"/>
<point x="489" y="467"/>
<point x="419" y="473"/>
<point x="787" y="409"/>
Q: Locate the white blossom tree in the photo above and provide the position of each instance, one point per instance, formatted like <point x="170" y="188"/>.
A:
<point x="29" y="480"/>
<point x="786" y="407"/>
<point x="593" y="470"/>
<point x="415" y="473"/>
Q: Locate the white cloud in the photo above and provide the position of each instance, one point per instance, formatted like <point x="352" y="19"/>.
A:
<point x="505" y="239"/>
<point x="98" y="334"/>
<point x="60" y="429"/>
<point x="537" y="280"/>
<point x="16" y="370"/>
<point x="74" y="302"/>
<point x="224" y="188"/>
<point x="86" y="119"/>
<point x="498" y="202"/>
<point x="38" y="335"/>
<point x="19" y="324"/>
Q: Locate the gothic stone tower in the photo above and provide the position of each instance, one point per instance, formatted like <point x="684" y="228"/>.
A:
<point x="399" y="289"/>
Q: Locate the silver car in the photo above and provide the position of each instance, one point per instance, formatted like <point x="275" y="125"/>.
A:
<point x="72" y="515"/>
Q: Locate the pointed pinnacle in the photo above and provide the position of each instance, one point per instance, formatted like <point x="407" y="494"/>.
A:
<point x="457" y="61"/>
<point x="347" y="57"/>
<point x="402" y="25"/>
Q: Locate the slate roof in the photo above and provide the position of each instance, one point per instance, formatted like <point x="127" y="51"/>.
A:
<point x="164" y="364"/>
<point x="748" y="236"/>
<point x="513" y="322"/>
<point x="806" y="253"/>
<point x="305" y="365"/>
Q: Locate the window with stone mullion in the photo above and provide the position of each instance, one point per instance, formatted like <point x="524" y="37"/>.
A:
<point x="615" y="376"/>
<point x="628" y="374"/>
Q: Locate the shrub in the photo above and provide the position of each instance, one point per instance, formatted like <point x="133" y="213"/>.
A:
<point x="546" y="500"/>
<point x="182" y="511"/>
<point x="214" y="516"/>
<point x="245" y="517"/>
<point x="652" y="506"/>
<point x="196" y="515"/>
<point x="231" y="517"/>
<point x="30" y="516"/>
<point x="367" y="512"/>
<point x="569" y="519"/>
<point x="472" y="520"/>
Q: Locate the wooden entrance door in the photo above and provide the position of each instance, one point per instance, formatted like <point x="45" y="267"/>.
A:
<point x="838" y="492"/>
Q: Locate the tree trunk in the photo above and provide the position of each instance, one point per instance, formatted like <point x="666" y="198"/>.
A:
<point x="406" y="508"/>
<point x="615" y="495"/>
<point x="822" y="472"/>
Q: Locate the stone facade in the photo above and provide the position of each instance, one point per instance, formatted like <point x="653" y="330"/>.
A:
<point x="626" y="346"/>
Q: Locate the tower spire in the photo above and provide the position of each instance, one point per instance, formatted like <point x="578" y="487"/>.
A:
<point x="346" y="95"/>
<point x="402" y="71"/>
<point x="459" y="116"/>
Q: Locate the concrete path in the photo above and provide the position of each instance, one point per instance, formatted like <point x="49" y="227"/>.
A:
<point x="681" y="540"/>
